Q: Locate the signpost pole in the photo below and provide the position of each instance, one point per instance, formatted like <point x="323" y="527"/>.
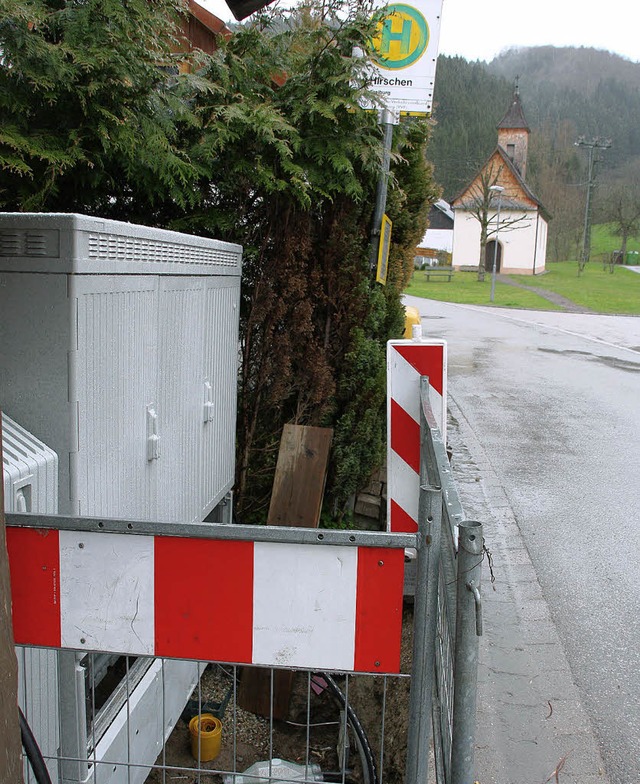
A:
<point x="403" y="67"/>
<point x="387" y="119"/>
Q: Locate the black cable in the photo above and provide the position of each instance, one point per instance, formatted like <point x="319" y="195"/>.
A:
<point x="32" y="750"/>
<point x="361" y="736"/>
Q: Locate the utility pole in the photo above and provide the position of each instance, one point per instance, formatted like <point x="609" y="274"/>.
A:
<point x="592" y="146"/>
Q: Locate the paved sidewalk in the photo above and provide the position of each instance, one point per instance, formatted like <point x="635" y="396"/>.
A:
<point x="551" y="296"/>
<point x="531" y="727"/>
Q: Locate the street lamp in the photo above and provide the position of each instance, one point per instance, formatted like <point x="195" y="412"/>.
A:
<point x="499" y="190"/>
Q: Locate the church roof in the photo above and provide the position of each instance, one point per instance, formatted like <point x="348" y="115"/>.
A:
<point x="444" y="207"/>
<point x="514" y="118"/>
<point x="508" y="202"/>
<point x="527" y="190"/>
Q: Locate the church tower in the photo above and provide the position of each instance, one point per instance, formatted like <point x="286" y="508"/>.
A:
<point x="513" y="134"/>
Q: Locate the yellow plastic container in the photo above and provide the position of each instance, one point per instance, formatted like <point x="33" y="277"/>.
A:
<point x="206" y="735"/>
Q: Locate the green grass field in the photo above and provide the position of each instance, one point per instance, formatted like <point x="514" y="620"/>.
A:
<point x="596" y="289"/>
<point x="464" y="288"/>
<point x="604" y="241"/>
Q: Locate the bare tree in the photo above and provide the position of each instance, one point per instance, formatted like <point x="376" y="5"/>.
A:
<point x="480" y="201"/>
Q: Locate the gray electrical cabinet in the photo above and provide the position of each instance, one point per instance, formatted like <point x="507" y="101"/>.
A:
<point x="119" y="350"/>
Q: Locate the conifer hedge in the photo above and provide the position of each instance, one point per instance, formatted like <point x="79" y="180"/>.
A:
<point x="263" y="144"/>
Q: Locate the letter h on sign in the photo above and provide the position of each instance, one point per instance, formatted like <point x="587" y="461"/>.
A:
<point x="404" y="36"/>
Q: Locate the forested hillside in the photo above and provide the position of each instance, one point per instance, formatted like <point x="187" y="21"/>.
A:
<point x="469" y="101"/>
<point x="566" y="93"/>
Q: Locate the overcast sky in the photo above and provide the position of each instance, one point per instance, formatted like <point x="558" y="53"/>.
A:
<point x="481" y="29"/>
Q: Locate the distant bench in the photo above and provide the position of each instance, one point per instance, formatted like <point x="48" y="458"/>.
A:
<point x="439" y="273"/>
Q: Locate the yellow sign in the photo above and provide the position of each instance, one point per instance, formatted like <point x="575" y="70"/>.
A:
<point x="383" y="250"/>
<point x="401" y="38"/>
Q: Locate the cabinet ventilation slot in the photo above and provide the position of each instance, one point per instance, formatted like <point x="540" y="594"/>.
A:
<point x="128" y="249"/>
<point x="44" y="243"/>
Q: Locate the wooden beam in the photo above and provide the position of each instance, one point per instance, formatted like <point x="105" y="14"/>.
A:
<point x="296" y="501"/>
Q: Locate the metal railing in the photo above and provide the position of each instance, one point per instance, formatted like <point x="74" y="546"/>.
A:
<point x="448" y="596"/>
<point x="341" y="726"/>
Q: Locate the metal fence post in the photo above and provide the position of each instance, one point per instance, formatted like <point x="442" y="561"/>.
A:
<point x="468" y="629"/>
<point x="73" y="717"/>
<point x="425" y="616"/>
<point x="10" y="764"/>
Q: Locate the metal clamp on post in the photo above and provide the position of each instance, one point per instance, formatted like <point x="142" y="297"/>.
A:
<point x="478" y="597"/>
<point x="153" y="439"/>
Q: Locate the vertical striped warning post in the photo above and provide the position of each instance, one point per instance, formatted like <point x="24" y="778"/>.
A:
<point x="407" y="361"/>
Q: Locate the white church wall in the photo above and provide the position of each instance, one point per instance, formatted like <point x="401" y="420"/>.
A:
<point x="466" y="240"/>
<point x="518" y="241"/>
<point x="520" y="245"/>
<point x="541" y="248"/>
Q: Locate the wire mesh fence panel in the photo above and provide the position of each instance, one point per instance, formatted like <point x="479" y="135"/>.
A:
<point x="445" y="653"/>
<point x="443" y="687"/>
<point x="338" y="727"/>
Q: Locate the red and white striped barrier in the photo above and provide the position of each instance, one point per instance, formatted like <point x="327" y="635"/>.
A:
<point x="407" y="361"/>
<point x="328" y="607"/>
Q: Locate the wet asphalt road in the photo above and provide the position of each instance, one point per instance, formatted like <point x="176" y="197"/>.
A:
<point x="554" y="400"/>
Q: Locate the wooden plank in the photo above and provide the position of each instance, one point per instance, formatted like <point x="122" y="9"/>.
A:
<point x="298" y="484"/>
<point x="296" y="501"/>
<point x="10" y="744"/>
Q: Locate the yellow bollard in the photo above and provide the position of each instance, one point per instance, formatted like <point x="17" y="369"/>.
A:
<point x="411" y="318"/>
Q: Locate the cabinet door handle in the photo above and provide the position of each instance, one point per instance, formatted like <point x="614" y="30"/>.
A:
<point x="153" y="439"/>
<point x="208" y="402"/>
